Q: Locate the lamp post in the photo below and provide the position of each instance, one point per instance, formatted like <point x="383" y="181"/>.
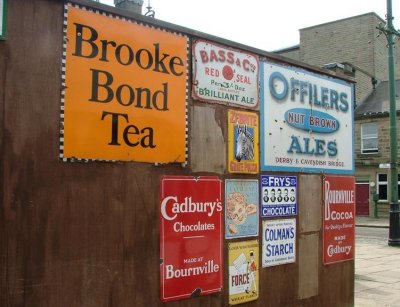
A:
<point x="394" y="226"/>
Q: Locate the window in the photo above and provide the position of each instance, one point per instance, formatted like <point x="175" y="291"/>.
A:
<point x="382" y="186"/>
<point x="369" y="138"/>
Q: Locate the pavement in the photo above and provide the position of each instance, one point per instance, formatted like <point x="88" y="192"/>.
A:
<point x="377" y="268"/>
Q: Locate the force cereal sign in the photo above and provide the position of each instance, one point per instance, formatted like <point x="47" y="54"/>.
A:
<point x="225" y="75"/>
<point x="191" y="237"/>
<point x="243" y="142"/>
<point x="339" y="211"/>
<point x="125" y="90"/>
<point x="243" y="272"/>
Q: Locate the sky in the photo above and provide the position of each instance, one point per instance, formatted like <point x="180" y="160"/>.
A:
<point x="264" y="24"/>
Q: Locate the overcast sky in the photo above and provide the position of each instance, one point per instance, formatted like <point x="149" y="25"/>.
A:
<point x="264" y="24"/>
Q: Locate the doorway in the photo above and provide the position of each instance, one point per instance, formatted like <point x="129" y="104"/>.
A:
<point x="362" y="199"/>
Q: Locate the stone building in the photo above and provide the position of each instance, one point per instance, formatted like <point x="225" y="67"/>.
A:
<point x="354" y="46"/>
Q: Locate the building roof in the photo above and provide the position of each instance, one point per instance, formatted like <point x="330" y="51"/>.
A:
<point x="287" y="49"/>
<point x="341" y="20"/>
<point x="378" y="101"/>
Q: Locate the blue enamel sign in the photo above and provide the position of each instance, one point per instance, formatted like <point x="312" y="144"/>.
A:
<point x="278" y="195"/>
<point x="307" y="121"/>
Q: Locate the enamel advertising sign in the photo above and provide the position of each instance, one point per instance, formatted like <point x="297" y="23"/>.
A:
<point x="241" y="208"/>
<point x="243" y="272"/>
<point x="339" y="218"/>
<point x="278" y="195"/>
<point x="243" y="142"/>
<point x="306" y="121"/>
<point x="124" y="94"/>
<point x="191" y="237"/>
<point x="225" y="75"/>
<point x="279" y="242"/>
<point x="3" y="18"/>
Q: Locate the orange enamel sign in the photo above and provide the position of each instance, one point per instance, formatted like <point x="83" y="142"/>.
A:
<point x="125" y="90"/>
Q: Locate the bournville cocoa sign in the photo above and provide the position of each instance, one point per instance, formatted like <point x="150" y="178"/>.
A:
<point x="339" y="218"/>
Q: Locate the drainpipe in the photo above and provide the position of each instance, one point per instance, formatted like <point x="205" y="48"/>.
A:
<point x="130" y="5"/>
<point x="394" y="230"/>
<point x="394" y="225"/>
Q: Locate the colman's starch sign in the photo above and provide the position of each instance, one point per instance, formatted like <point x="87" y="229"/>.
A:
<point x="125" y="90"/>
<point x="191" y="236"/>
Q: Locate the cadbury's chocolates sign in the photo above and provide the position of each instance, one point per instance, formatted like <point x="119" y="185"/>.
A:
<point x="191" y="236"/>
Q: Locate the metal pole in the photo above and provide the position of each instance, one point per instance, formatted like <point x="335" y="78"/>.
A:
<point x="394" y="226"/>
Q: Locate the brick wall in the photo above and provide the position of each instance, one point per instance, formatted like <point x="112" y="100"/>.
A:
<point x="363" y="86"/>
<point x="346" y="40"/>
<point x="291" y="53"/>
<point x="354" y="40"/>
<point x="383" y="156"/>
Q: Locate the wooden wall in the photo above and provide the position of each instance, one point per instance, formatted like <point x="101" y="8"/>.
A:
<point x="87" y="234"/>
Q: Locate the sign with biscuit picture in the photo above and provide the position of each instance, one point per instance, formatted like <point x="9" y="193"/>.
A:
<point x="241" y="208"/>
<point x="191" y="236"/>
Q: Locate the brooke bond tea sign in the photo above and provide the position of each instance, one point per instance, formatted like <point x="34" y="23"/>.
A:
<point x="225" y="75"/>
<point x="339" y="215"/>
<point x="306" y="121"/>
<point x="191" y="236"/>
<point x="243" y="272"/>
<point x="125" y="90"/>
<point x="243" y="142"/>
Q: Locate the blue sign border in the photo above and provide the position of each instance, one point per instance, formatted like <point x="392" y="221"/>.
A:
<point x="3" y="20"/>
<point x="263" y="166"/>
<point x="284" y="179"/>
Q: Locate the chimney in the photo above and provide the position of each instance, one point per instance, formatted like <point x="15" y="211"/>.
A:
<point x="130" y="5"/>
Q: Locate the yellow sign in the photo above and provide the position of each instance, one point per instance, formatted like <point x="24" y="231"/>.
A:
<point x="125" y="90"/>
<point x="243" y="272"/>
<point x="243" y="142"/>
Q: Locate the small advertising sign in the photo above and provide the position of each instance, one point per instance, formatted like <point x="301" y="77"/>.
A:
<point x="225" y="75"/>
<point x="306" y="121"/>
<point x="243" y="142"/>
<point x="3" y="18"/>
<point x="241" y="208"/>
<point x="278" y="195"/>
<point x="339" y="214"/>
<point x="124" y="94"/>
<point x="191" y="238"/>
<point x="279" y="242"/>
<point x="243" y="272"/>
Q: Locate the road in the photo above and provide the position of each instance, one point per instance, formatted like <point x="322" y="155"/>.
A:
<point x="373" y="234"/>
